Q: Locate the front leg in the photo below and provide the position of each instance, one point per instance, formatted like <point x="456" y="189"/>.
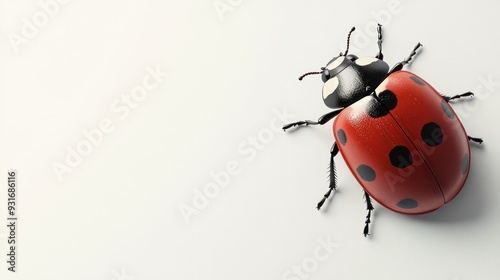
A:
<point x="322" y="120"/>
<point x="407" y="60"/>
<point x="379" y="42"/>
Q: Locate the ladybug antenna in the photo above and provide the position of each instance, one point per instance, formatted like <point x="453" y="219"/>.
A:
<point x="307" y="74"/>
<point x="348" y="40"/>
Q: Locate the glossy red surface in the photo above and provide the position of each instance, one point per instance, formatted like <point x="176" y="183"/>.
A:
<point x="439" y="162"/>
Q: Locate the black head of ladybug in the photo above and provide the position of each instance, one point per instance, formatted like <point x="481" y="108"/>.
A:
<point x="348" y="78"/>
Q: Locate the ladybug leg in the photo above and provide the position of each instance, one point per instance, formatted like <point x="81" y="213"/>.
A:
<point x="407" y="60"/>
<point x="379" y="42"/>
<point x="369" y="207"/>
<point x="474" y="139"/>
<point x="333" y="175"/>
<point x="322" y="120"/>
<point x="448" y="98"/>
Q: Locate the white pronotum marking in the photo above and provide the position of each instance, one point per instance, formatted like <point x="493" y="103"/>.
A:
<point x="363" y="61"/>
<point x="330" y="86"/>
<point x="335" y="63"/>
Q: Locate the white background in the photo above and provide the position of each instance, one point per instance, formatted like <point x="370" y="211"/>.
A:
<point x="115" y="212"/>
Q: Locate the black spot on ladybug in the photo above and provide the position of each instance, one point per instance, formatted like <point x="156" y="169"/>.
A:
<point x="447" y="110"/>
<point x="342" y="137"/>
<point x="380" y="106"/>
<point x="407" y="203"/>
<point x="432" y="134"/>
<point x="389" y="99"/>
<point x="366" y="172"/>
<point x="465" y="164"/>
<point x="417" y="80"/>
<point x="400" y="157"/>
<point x="375" y="109"/>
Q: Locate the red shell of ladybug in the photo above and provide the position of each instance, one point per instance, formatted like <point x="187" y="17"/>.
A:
<point x="407" y="148"/>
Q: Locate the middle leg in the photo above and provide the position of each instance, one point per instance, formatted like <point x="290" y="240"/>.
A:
<point x="449" y="98"/>
<point x="332" y="174"/>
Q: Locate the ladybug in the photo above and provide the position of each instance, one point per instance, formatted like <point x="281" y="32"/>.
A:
<point x="399" y="137"/>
